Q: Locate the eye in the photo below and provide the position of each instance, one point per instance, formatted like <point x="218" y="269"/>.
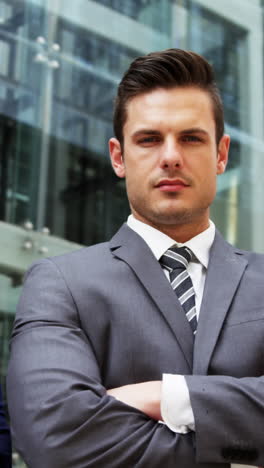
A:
<point x="192" y="138"/>
<point x="149" y="140"/>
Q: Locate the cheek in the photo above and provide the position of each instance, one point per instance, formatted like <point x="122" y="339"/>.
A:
<point x="133" y="183"/>
<point x="206" y="182"/>
<point x="207" y="170"/>
<point x="138" y="170"/>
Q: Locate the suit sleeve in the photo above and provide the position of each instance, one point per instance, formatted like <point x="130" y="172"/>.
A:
<point x="229" y="418"/>
<point x="60" y="412"/>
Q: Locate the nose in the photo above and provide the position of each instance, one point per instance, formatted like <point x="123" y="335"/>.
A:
<point x="171" y="155"/>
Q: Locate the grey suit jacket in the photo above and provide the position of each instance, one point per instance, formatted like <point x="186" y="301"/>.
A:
<point x="106" y="316"/>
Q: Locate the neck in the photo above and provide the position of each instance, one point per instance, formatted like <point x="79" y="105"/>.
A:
<point x="182" y="233"/>
<point x="179" y="232"/>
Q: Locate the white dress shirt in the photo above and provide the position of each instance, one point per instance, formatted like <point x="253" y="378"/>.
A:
<point x="176" y="407"/>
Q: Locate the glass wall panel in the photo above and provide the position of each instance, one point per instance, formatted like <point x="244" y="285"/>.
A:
<point x="8" y="300"/>
<point x="225" y="44"/>
<point x="154" y="13"/>
<point x="59" y="82"/>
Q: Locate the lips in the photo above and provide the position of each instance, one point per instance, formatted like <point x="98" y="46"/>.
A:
<point x="172" y="185"/>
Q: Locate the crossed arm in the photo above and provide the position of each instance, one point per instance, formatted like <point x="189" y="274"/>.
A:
<point x="60" y="410"/>
<point x="63" y="416"/>
<point x="145" y="397"/>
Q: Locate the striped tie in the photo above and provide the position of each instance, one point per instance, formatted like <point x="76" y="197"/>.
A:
<point x="175" y="260"/>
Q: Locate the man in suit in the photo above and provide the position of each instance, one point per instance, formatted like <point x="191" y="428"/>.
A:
<point x="5" y="440"/>
<point x="111" y="365"/>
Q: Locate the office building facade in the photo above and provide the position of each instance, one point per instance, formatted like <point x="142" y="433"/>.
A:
<point x="60" y="65"/>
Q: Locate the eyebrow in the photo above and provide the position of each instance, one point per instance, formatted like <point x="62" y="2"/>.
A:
<point x="145" y="131"/>
<point x="193" y="130"/>
<point x="149" y="131"/>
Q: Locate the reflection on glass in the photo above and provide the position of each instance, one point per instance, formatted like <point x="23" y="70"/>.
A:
<point x="154" y="13"/>
<point x="224" y="44"/>
<point x="57" y="95"/>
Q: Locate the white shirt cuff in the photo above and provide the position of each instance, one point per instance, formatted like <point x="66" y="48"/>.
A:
<point x="176" y="409"/>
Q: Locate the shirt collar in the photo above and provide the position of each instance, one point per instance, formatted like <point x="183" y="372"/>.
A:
<point x="159" y="242"/>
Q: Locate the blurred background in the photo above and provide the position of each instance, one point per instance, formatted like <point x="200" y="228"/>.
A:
<point x="60" y="63"/>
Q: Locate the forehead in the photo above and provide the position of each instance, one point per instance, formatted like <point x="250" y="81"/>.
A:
<point x="181" y="106"/>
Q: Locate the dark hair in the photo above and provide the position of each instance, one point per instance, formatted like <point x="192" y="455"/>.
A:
<point x="167" y="69"/>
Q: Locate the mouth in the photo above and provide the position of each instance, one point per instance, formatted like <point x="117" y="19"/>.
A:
<point x="171" y="185"/>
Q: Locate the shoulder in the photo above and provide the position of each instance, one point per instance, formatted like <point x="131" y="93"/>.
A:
<point x="228" y="256"/>
<point x="253" y="258"/>
<point x="224" y="247"/>
<point x="253" y="261"/>
<point x="78" y="262"/>
<point x="97" y="252"/>
<point x="96" y="258"/>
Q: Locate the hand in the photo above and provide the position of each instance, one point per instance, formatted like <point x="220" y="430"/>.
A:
<point x="144" y="396"/>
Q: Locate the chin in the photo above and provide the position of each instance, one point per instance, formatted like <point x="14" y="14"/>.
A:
<point x="171" y="217"/>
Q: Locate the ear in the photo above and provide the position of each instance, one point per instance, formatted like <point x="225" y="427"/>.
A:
<point x="116" y="157"/>
<point x="222" y="154"/>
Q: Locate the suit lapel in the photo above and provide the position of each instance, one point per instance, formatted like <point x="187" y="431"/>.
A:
<point x="225" y="269"/>
<point x="132" y="249"/>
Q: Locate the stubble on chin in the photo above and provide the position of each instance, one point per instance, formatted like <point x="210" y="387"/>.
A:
<point x="177" y="217"/>
<point x="161" y="216"/>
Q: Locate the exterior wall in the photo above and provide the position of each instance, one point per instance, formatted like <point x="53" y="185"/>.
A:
<point x="60" y="65"/>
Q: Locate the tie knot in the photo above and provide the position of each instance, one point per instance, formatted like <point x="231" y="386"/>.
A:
<point x="176" y="258"/>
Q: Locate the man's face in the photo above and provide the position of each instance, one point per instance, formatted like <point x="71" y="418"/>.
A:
<point x="170" y="157"/>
